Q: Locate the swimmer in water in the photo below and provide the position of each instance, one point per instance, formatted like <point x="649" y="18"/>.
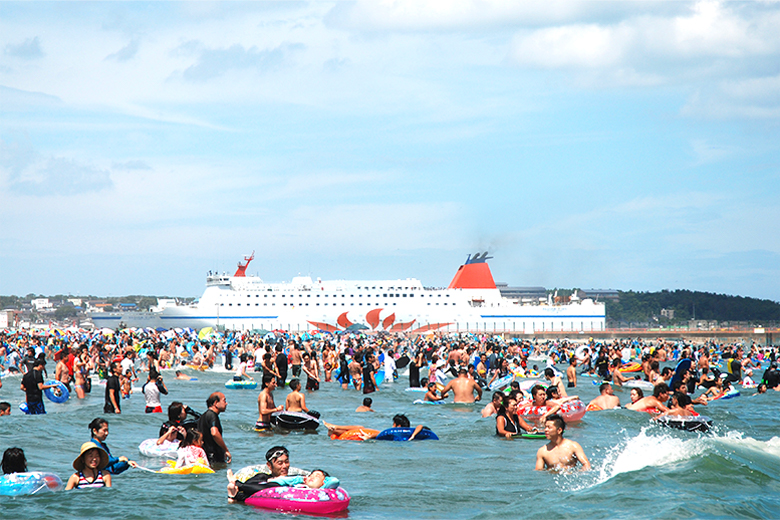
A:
<point x="559" y="453"/>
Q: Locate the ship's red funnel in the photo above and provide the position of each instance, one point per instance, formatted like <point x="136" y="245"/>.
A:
<point x="474" y="274"/>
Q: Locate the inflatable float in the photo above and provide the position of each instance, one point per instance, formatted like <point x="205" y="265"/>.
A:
<point x="571" y="411"/>
<point x="195" y="469"/>
<point x="422" y="401"/>
<point x="57" y="394"/>
<point x="29" y="483"/>
<point x="631" y="367"/>
<point x="693" y="423"/>
<point x="295" y="420"/>
<point x="301" y="500"/>
<point x="246" y="384"/>
<point x="358" y="434"/>
<point x="403" y="434"/>
<point x="150" y="448"/>
<point x="502" y="383"/>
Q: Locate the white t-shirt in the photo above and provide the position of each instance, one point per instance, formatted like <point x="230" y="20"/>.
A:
<point x="152" y="395"/>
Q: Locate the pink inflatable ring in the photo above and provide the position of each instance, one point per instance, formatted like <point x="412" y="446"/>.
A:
<point x="301" y="500"/>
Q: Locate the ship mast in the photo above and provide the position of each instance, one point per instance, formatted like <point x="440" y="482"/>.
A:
<point x="241" y="271"/>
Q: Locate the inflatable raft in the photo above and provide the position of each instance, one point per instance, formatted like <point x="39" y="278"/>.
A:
<point x="301" y="500"/>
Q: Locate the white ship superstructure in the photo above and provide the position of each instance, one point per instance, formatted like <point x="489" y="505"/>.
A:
<point x="471" y="302"/>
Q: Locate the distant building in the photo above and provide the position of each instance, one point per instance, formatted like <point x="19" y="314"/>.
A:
<point x="598" y="294"/>
<point x="7" y="319"/>
<point x="75" y="301"/>
<point x="40" y="304"/>
<point x="667" y="313"/>
<point x="522" y="293"/>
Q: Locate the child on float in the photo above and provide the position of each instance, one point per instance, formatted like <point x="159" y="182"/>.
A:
<point x="191" y="451"/>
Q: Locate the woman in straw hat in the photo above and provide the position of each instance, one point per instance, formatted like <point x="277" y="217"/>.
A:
<point x="89" y="468"/>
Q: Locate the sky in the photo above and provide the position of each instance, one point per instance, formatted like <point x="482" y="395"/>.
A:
<point x="612" y="145"/>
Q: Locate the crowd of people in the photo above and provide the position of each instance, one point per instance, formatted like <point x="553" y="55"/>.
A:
<point x="463" y="365"/>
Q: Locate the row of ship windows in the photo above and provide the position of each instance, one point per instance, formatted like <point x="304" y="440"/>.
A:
<point x="385" y="295"/>
<point x="317" y="304"/>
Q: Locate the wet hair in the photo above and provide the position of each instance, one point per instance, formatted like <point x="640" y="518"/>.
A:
<point x="551" y="390"/>
<point x="96" y="424"/>
<point x="294" y="384"/>
<point x="14" y="461"/>
<point x="535" y="389"/>
<point x="324" y="473"/>
<point x="4" y="406"/>
<point x="213" y="399"/>
<point x="500" y="395"/>
<point x="683" y="400"/>
<point x="558" y="420"/>
<point x="603" y="386"/>
<point x="367" y="402"/>
<point x="549" y="372"/>
<point x="153" y="373"/>
<point x="401" y="421"/>
<point x="267" y="379"/>
<point x="174" y="411"/>
<point x="638" y="391"/>
<point x="659" y="389"/>
<point x="273" y="453"/>
<point x="193" y="434"/>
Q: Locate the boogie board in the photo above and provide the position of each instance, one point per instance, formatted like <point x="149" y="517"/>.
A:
<point x="526" y="435"/>
<point x="403" y="434"/>
<point x="57" y="394"/>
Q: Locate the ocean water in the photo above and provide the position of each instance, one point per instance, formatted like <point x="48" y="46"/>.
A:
<point x="640" y="470"/>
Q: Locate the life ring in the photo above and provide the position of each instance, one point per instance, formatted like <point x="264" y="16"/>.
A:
<point x="571" y="411"/>
<point x="150" y="448"/>
<point x="579" y="353"/>
<point x="357" y="434"/>
<point x="57" y="394"/>
<point x="403" y="434"/>
<point x="28" y="483"/>
<point x="301" y="500"/>
<point x="593" y="408"/>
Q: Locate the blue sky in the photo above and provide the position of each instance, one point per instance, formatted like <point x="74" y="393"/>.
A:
<point x="623" y="145"/>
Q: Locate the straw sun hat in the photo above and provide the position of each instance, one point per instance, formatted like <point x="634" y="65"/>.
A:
<point x="79" y="465"/>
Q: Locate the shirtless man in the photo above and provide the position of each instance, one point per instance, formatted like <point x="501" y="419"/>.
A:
<point x="554" y="380"/>
<point x="559" y="453"/>
<point x="656" y="401"/>
<point x="681" y="406"/>
<point x="266" y="405"/>
<point x="606" y="401"/>
<point x="617" y="376"/>
<point x="463" y="388"/>
<point x="571" y="373"/>
<point x="295" y="359"/>
<point x="296" y="401"/>
<point x="356" y="373"/>
<point x="366" y="406"/>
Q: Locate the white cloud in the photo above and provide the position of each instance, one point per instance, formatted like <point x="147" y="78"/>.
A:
<point x="29" y="49"/>
<point x="28" y="172"/>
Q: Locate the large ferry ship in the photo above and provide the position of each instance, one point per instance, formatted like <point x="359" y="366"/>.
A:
<point x="471" y="302"/>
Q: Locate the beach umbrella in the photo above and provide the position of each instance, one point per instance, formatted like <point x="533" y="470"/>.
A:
<point x="205" y="332"/>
